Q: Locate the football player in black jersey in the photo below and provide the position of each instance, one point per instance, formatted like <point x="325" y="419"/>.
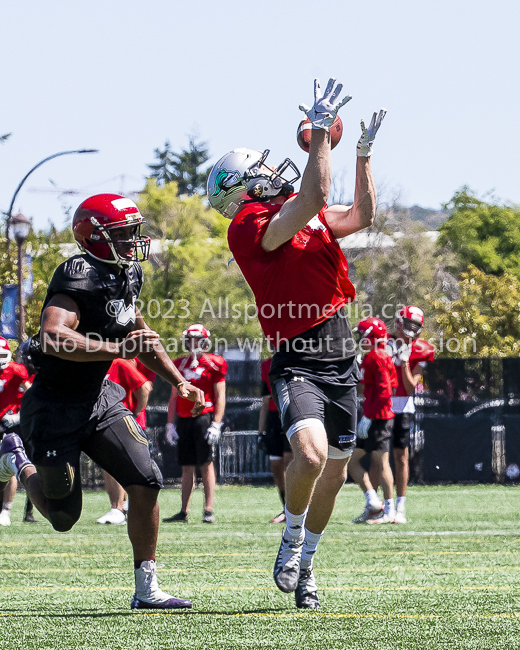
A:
<point x="88" y="319"/>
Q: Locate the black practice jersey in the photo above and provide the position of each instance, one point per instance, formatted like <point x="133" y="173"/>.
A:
<point x="106" y="301"/>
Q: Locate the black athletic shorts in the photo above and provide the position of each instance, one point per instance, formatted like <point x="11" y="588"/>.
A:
<point x="379" y="436"/>
<point x="275" y="441"/>
<point x="298" y="398"/>
<point x="402" y="429"/>
<point x="56" y="432"/>
<point x="192" y="447"/>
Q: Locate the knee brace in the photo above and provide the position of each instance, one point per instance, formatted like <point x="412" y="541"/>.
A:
<point x="57" y="482"/>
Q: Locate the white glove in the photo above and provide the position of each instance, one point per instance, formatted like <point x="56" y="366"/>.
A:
<point x="363" y="427"/>
<point x="213" y="433"/>
<point x="10" y="420"/>
<point x="364" y="145"/>
<point x="172" y="437"/>
<point x="326" y="106"/>
<point x="403" y="354"/>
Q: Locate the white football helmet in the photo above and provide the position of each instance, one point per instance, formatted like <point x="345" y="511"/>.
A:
<point x="238" y="177"/>
<point x="199" y="334"/>
<point x="409" y="321"/>
<point x="5" y="353"/>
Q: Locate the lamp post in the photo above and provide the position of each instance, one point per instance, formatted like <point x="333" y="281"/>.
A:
<point x="54" y="155"/>
<point x="21" y="226"/>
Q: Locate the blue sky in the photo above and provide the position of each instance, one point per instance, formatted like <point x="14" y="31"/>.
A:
<point x="123" y="76"/>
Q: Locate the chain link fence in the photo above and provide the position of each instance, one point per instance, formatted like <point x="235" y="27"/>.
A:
<point x="467" y="426"/>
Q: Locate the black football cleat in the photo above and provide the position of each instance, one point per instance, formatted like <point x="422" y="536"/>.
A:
<point x="180" y="516"/>
<point x="306" y="593"/>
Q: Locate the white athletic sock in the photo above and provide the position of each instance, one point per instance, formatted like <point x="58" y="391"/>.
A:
<point x="310" y="544"/>
<point x="401" y="501"/>
<point x="294" y="527"/>
<point x="389" y="507"/>
<point x="372" y="499"/>
<point x="7" y="505"/>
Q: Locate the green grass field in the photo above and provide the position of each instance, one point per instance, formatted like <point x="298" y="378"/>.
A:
<point x="450" y="578"/>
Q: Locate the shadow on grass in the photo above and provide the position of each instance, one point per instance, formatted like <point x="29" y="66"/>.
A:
<point x="94" y="613"/>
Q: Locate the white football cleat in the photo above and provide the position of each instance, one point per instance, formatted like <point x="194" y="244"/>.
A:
<point x="369" y="513"/>
<point x="400" y="517"/>
<point x="148" y="595"/>
<point x="384" y="519"/>
<point x="5" y="518"/>
<point x="113" y="516"/>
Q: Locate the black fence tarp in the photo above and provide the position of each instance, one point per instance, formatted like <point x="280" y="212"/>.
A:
<point x="467" y="424"/>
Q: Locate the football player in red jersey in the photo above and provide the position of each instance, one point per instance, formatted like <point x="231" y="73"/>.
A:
<point x="196" y="436"/>
<point x="137" y="380"/>
<point x="375" y="427"/>
<point x="89" y="318"/>
<point x="14" y="381"/>
<point x="286" y="246"/>
<point x="410" y="354"/>
<point x="272" y="437"/>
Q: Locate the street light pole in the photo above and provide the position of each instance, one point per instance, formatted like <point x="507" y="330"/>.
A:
<point x="55" y="155"/>
<point x="21" y="227"/>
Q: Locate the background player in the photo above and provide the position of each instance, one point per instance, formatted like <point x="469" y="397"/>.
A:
<point x="379" y="381"/>
<point x="286" y="247"/>
<point x="14" y="381"/>
<point x="89" y="319"/>
<point x="197" y="435"/>
<point x="130" y="375"/>
<point x="410" y="354"/>
<point x="272" y="438"/>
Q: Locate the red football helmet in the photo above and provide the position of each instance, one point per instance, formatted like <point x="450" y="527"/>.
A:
<point x="200" y="334"/>
<point x="371" y="329"/>
<point x="409" y="321"/>
<point x="5" y="353"/>
<point x="93" y="222"/>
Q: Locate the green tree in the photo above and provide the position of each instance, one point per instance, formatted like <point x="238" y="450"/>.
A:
<point x="182" y="168"/>
<point x="485" y="320"/>
<point x="486" y="235"/>
<point x="45" y="249"/>
<point x="409" y="271"/>
<point x="163" y="169"/>
<point x="47" y="253"/>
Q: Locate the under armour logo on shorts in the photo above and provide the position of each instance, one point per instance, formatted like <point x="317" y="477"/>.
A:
<point x="51" y="453"/>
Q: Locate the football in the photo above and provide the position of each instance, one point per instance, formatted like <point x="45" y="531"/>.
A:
<point x="304" y="132"/>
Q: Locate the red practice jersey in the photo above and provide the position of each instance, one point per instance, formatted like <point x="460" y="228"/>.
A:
<point x="298" y="285"/>
<point x="203" y="372"/>
<point x="379" y="378"/>
<point x="266" y="366"/>
<point x="125" y="373"/>
<point x="12" y="378"/>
